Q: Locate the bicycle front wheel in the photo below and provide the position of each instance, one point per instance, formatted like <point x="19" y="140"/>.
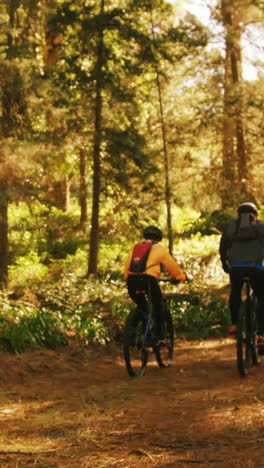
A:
<point x="244" y="336"/>
<point x="135" y="351"/>
<point x="164" y="354"/>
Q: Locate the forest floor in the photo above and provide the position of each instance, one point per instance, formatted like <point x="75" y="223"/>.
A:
<point x="77" y="407"/>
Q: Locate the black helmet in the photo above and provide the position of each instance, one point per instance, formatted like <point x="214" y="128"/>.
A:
<point x="247" y="207"/>
<point x="152" y="232"/>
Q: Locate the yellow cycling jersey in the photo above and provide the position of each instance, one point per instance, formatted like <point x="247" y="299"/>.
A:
<point x="159" y="255"/>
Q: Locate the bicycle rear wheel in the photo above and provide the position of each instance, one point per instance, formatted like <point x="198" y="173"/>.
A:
<point x="135" y="352"/>
<point x="164" y="355"/>
<point x="244" y="335"/>
<point x="256" y="358"/>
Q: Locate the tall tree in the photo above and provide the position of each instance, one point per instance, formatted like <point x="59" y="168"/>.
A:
<point x="20" y="62"/>
<point x="98" y="107"/>
<point x="165" y="148"/>
<point x="236" y="168"/>
<point x="13" y="123"/>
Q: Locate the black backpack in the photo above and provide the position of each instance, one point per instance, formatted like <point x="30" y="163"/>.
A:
<point x="139" y="257"/>
<point x="246" y="228"/>
<point x="246" y="242"/>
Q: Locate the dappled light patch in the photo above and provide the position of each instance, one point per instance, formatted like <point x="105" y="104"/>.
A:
<point x="76" y="406"/>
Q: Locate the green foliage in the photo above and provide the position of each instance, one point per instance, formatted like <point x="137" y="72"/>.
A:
<point x="199" y="257"/>
<point x="48" y="232"/>
<point x="208" y="317"/>
<point x="93" y="311"/>
<point x="38" y="331"/>
<point x="71" y="306"/>
<point x="209" y="223"/>
<point x="84" y="305"/>
<point x="90" y="329"/>
<point x="29" y="269"/>
<point x="62" y="234"/>
<point x="198" y="245"/>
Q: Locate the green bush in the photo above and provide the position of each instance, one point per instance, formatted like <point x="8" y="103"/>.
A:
<point x="48" y="231"/>
<point x="82" y="305"/>
<point x="93" y="310"/>
<point x="28" y="269"/>
<point x="208" y="317"/>
<point x="208" y="223"/>
<point x="43" y="330"/>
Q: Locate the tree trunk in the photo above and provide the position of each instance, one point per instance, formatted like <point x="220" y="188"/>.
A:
<point x="166" y="166"/>
<point x="94" y="232"/>
<point x="236" y="172"/>
<point x="242" y="156"/>
<point x="165" y="153"/>
<point x="59" y="193"/>
<point x="229" y="168"/>
<point x="3" y="233"/>
<point x="83" y="189"/>
<point x="10" y="102"/>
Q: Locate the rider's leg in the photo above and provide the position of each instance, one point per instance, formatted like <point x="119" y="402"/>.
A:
<point x="257" y="282"/>
<point x="236" y="282"/>
<point x="156" y="299"/>
<point x="136" y="286"/>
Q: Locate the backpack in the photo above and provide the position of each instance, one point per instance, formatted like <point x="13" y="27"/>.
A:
<point x="246" y="229"/>
<point x="246" y="242"/>
<point x="139" y="257"/>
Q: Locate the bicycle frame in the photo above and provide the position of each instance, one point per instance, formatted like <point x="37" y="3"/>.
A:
<point x="148" y="316"/>
<point x="136" y="351"/>
<point x="247" y="351"/>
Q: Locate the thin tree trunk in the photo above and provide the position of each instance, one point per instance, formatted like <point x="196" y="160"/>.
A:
<point x="242" y="156"/>
<point x="83" y="189"/>
<point x="166" y="166"/>
<point x="229" y="155"/>
<point x="7" y="129"/>
<point x="3" y="233"/>
<point x="165" y="153"/>
<point x="94" y="232"/>
<point x="59" y="193"/>
<point x="236" y="171"/>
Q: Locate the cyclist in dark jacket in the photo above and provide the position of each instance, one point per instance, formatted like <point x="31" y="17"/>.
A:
<point x="244" y="258"/>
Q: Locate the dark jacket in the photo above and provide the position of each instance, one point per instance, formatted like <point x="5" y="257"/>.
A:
<point x="242" y="252"/>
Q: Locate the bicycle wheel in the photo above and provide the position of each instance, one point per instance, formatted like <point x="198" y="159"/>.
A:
<point x="256" y="358"/>
<point x="244" y="349"/>
<point x="135" y="352"/>
<point x="164" y="355"/>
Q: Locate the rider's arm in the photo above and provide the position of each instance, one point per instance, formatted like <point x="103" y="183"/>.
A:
<point x="222" y="251"/>
<point x="173" y="267"/>
<point x="160" y="255"/>
<point x="225" y="243"/>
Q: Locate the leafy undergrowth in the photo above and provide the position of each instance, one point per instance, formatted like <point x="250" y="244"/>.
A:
<point x="93" y="310"/>
<point x="49" y="318"/>
<point x="48" y="321"/>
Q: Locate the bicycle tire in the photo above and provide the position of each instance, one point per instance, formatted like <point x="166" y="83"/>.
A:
<point x="135" y="352"/>
<point x="164" y="356"/>
<point x="244" y="331"/>
<point x="256" y="358"/>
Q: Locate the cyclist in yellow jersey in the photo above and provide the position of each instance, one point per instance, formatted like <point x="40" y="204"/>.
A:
<point x="147" y="280"/>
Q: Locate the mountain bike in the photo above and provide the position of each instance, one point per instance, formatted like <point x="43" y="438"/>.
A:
<point x="247" y="348"/>
<point x="139" y="338"/>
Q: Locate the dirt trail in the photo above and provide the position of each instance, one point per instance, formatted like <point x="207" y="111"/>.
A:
<point x="77" y="408"/>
